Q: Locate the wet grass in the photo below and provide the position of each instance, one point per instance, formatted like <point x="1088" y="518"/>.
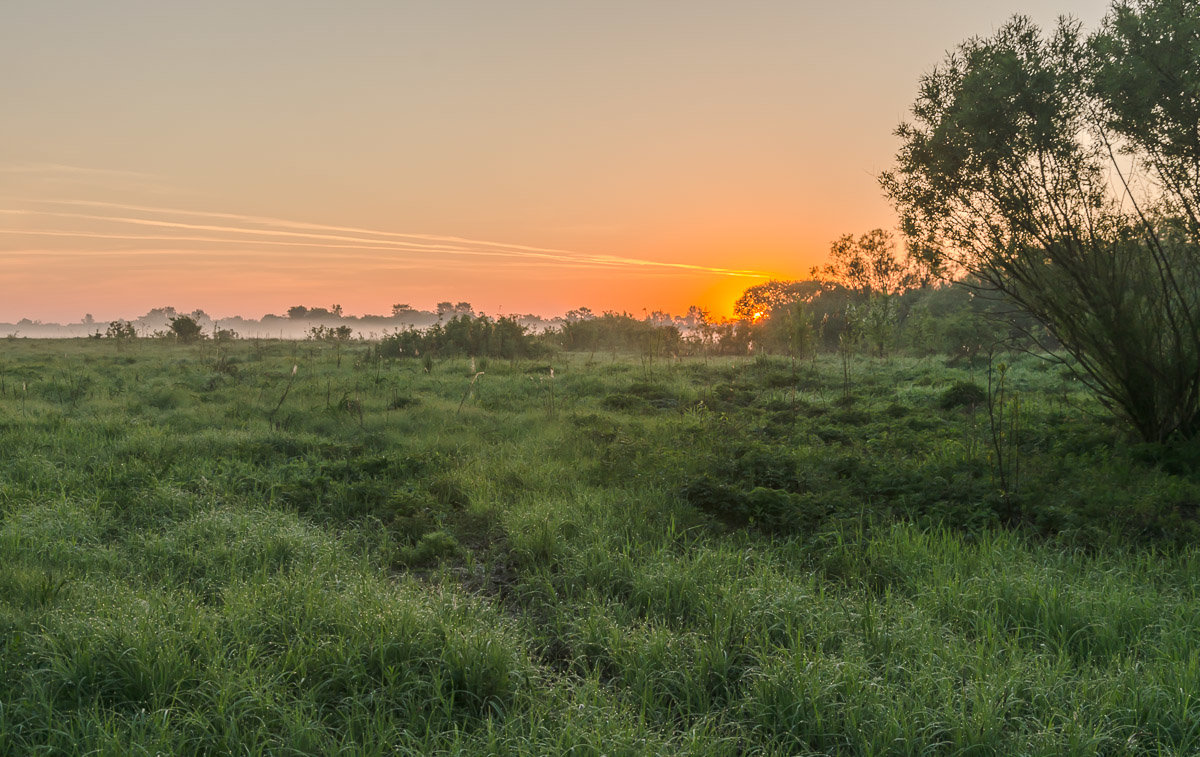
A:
<point x="203" y="553"/>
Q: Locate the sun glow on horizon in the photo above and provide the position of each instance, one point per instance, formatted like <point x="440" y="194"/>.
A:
<point x="288" y="262"/>
<point x="528" y="158"/>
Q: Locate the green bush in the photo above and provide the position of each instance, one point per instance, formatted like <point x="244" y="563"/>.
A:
<point x="962" y="394"/>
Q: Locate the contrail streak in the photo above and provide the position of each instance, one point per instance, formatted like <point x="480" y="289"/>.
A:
<point x="311" y="232"/>
<point x="374" y="245"/>
<point x="269" y="221"/>
<point x="32" y="256"/>
<point x="366" y="244"/>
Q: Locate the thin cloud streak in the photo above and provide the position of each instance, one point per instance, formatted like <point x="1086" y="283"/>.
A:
<point x="36" y="256"/>
<point x="495" y="249"/>
<point x="287" y="224"/>
<point x="289" y="249"/>
<point x="381" y="245"/>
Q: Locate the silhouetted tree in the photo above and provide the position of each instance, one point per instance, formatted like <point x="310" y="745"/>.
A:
<point x="120" y="329"/>
<point x="1065" y="173"/>
<point x="330" y="333"/>
<point x="869" y="268"/>
<point x="759" y="300"/>
<point x="579" y="314"/>
<point x="185" y="328"/>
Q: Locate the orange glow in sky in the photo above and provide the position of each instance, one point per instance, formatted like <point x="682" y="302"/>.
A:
<point x="530" y="156"/>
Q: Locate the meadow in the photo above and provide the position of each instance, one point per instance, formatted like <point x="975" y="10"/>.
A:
<point x="266" y="547"/>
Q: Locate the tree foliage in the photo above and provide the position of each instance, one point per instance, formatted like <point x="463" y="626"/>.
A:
<point x="463" y="335"/>
<point x="322" y="333"/>
<point x="1063" y="170"/>
<point x="869" y="268"/>
<point x="869" y="265"/>
<point x="759" y="300"/>
<point x="185" y="328"/>
<point x="120" y="329"/>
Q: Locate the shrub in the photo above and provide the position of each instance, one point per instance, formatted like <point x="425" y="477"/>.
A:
<point x="963" y="394"/>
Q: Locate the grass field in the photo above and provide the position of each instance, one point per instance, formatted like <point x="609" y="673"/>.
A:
<point x="287" y="548"/>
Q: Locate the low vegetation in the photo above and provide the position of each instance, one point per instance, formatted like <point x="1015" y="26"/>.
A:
<point x="310" y="547"/>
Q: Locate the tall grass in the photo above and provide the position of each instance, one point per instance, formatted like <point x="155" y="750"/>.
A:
<point x="712" y="557"/>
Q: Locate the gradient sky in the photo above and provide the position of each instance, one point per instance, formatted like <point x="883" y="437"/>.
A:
<point x="242" y="157"/>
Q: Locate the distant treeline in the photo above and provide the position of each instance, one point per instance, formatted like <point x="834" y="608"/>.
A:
<point x="801" y="318"/>
<point x="797" y="318"/>
<point x="298" y="322"/>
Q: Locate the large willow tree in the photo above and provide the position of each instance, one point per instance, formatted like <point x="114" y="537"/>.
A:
<point x="1064" y="170"/>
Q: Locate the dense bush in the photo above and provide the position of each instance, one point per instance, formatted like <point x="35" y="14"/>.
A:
<point x="475" y="336"/>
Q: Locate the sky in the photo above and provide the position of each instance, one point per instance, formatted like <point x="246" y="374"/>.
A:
<point x="524" y="156"/>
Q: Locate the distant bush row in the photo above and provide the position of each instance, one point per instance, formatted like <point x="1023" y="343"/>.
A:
<point x="799" y="319"/>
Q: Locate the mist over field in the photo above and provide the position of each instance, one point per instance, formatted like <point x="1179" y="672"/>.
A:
<point x="158" y="320"/>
